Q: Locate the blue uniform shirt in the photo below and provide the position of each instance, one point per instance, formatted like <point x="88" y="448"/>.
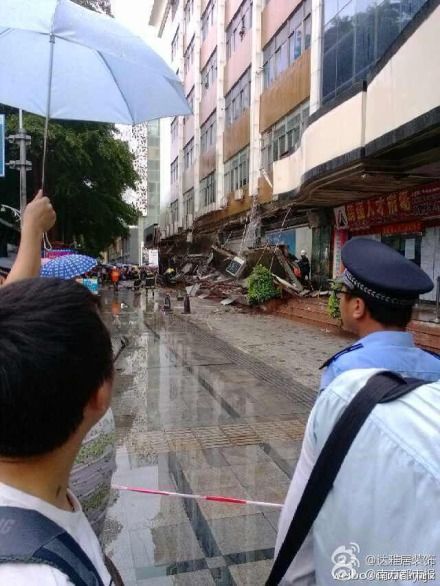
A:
<point x="391" y="350"/>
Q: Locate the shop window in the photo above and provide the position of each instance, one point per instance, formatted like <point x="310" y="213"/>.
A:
<point x="409" y="245"/>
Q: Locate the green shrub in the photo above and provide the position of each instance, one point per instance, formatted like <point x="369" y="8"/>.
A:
<point x="333" y="308"/>
<point x="261" y="287"/>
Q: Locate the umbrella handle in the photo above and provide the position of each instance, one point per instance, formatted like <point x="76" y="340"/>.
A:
<point x="46" y="242"/>
<point x="49" y="98"/>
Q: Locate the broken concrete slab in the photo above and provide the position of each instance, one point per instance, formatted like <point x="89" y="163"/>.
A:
<point x="228" y="301"/>
<point x="286" y="286"/>
<point x="194" y="289"/>
<point x="188" y="268"/>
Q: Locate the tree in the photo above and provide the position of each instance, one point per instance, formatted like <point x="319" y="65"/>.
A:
<point x="96" y="5"/>
<point x="87" y="170"/>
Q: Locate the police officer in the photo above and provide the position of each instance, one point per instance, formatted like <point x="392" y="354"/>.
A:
<point x="379" y="290"/>
<point x="373" y="505"/>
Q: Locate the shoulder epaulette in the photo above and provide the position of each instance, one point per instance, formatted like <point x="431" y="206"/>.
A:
<point x="432" y="353"/>
<point x="341" y="353"/>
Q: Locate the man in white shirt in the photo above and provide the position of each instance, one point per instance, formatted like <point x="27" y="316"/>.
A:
<point x="56" y="372"/>
<point x="380" y="521"/>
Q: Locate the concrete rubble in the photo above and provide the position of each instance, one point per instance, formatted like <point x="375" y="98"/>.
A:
<point x="223" y="275"/>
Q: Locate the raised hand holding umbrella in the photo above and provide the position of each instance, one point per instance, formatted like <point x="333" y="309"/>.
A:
<point x="63" y="61"/>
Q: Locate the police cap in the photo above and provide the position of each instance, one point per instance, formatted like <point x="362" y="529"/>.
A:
<point x="380" y="272"/>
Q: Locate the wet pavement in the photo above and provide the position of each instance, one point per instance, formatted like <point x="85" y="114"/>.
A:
<point x="195" y="414"/>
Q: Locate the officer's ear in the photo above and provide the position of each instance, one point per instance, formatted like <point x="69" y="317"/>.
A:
<point x="359" y="308"/>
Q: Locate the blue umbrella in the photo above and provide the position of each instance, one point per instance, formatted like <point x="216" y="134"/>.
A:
<point x="60" y="60"/>
<point x="68" y="266"/>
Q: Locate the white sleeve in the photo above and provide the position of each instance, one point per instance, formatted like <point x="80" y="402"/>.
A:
<point x="302" y="570"/>
<point x="17" y="574"/>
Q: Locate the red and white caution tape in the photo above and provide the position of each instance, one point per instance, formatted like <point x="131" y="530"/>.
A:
<point x="218" y="499"/>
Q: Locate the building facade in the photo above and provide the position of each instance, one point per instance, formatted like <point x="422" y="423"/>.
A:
<point x="238" y="61"/>
<point x="323" y="116"/>
<point x="144" y="143"/>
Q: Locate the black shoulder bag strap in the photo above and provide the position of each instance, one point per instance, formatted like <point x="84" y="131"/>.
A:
<point x="27" y="536"/>
<point x="381" y="388"/>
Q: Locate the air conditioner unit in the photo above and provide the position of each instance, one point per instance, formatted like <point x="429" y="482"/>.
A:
<point x="239" y="194"/>
<point x="223" y="203"/>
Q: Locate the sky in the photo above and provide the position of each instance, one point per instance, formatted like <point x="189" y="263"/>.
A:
<point x="135" y="14"/>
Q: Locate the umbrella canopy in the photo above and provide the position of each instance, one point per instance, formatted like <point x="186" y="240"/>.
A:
<point x="63" y="61"/>
<point x="68" y="266"/>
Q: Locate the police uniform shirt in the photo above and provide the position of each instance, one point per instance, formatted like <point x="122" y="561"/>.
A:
<point x="386" y="349"/>
<point x="385" y="501"/>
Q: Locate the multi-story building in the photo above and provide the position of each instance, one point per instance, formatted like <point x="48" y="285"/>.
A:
<point x="238" y="61"/>
<point x="324" y="115"/>
<point x="144" y="143"/>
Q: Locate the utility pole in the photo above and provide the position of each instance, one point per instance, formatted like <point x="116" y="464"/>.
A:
<point x="22" y="165"/>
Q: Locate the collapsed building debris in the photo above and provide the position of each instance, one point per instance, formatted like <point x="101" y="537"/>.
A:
<point x="222" y="274"/>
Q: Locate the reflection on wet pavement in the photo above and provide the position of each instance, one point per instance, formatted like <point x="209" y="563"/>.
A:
<point x="195" y="416"/>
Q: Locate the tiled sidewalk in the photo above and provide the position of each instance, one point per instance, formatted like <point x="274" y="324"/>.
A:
<point x="198" y="411"/>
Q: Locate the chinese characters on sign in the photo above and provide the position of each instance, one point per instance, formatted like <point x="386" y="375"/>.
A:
<point x="396" y="207"/>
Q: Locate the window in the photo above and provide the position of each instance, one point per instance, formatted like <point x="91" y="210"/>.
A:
<point x="175" y="45"/>
<point x="237" y="171"/>
<point x="174" y="129"/>
<point x="207" y="190"/>
<point x="174" y="7"/>
<point x="188" y="203"/>
<point x="208" y="19"/>
<point x="174" y="171"/>
<point x="188" y="154"/>
<point x="190" y="100"/>
<point x="284" y="137"/>
<point x="288" y="44"/>
<point x="189" y="56"/>
<point x="238" y="27"/>
<point x="238" y="99"/>
<point x="356" y="35"/>
<point x="209" y="73"/>
<point x="188" y="10"/>
<point x="208" y="133"/>
<point x="174" y="208"/>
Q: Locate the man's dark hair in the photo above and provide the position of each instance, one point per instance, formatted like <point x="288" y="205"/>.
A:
<point x="385" y="313"/>
<point x="55" y="353"/>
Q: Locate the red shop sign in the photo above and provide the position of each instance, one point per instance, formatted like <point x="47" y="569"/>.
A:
<point x="404" y="228"/>
<point x="399" y="206"/>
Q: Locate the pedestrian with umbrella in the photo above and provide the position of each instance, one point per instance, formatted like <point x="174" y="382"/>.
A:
<point x="68" y="266"/>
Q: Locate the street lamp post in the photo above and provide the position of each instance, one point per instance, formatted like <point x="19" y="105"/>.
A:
<point x="22" y="165"/>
